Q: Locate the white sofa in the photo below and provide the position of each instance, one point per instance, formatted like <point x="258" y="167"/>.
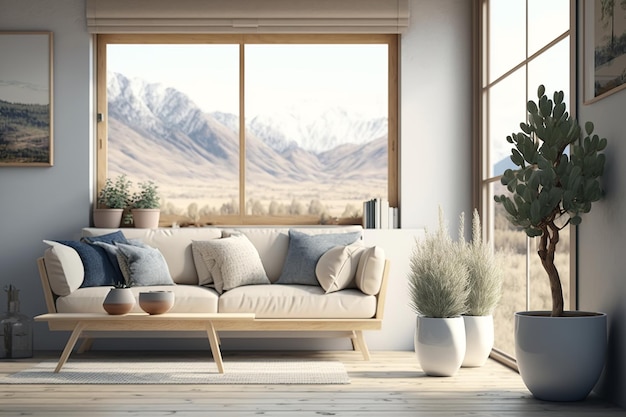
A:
<point x="349" y="300"/>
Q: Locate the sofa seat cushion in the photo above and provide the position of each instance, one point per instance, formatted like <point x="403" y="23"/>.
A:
<point x="187" y="299"/>
<point x="297" y="301"/>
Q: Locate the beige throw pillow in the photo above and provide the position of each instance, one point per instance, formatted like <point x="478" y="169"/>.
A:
<point x="369" y="273"/>
<point x="233" y="262"/>
<point x="337" y="267"/>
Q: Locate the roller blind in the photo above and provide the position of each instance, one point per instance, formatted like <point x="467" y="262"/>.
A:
<point x="247" y="16"/>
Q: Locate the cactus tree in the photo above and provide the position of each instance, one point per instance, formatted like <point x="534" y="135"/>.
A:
<point x="549" y="188"/>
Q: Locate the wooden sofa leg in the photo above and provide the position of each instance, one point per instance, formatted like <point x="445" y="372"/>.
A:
<point x="358" y="342"/>
<point x="85" y="346"/>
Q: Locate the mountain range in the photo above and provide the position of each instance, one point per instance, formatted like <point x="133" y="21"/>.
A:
<point x="157" y="132"/>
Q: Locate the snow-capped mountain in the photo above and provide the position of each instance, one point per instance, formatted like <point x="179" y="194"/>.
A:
<point x="315" y="129"/>
<point x="160" y="132"/>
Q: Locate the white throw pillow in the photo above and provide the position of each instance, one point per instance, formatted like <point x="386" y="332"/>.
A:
<point x="369" y="273"/>
<point x="64" y="267"/>
<point x="233" y="262"/>
<point x="337" y="267"/>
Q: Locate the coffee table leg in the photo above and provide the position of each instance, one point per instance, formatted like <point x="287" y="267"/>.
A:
<point x="80" y="326"/>
<point x="215" y="347"/>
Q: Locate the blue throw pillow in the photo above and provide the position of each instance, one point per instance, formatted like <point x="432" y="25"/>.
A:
<point x="143" y="266"/>
<point x="304" y="252"/>
<point x="110" y="239"/>
<point x="99" y="270"/>
<point x="116" y="236"/>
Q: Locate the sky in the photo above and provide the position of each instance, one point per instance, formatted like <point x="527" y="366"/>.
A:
<point x="354" y="76"/>
<point x="547" y="20"/>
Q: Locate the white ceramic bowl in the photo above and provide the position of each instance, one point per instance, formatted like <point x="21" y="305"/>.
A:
<point x="156" y="302"/>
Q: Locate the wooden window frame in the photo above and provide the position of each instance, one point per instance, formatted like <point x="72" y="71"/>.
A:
<point x="391" y="40"/>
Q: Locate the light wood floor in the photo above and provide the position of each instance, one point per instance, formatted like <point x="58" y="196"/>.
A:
<point x="390" y="385"/>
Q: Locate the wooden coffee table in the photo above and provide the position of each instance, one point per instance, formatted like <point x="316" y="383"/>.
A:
<point x="96" y="322"/>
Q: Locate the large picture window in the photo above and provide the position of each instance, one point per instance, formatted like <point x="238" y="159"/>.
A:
<point x="251" y="129"/>
<point x="524" y="43"/>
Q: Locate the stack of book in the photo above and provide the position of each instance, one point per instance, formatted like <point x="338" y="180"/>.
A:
<point x="377" y="214"/>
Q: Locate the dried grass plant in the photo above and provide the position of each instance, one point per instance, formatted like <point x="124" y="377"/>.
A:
<point x="438" y="276"/>
<point x="484" y="270"/>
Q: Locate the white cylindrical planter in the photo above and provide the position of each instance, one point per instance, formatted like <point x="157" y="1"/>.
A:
<point x="479" y="340"/>
<point x="440" y="344"/>
<point x="560" y="358"/>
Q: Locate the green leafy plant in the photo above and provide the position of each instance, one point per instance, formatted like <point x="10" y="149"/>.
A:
<point x="147" y="196"/>
<point x="438" y="276"/>
<point x="550" y="189"/>
<point x="484" y="270"/>
<point x="115" y="194"/>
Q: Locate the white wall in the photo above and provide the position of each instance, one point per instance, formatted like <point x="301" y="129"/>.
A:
<point x="436" y="123"/>
<point x="602" y="236"/>
<point x="54" y="203"/>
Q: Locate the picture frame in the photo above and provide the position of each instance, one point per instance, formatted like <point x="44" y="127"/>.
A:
<point x="604" y="65"/>
<point x="26" y="122"/>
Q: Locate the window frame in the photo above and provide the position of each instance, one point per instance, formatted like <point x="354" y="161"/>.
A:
<point x="391" y="40"/>
<point x="482" y="176"/>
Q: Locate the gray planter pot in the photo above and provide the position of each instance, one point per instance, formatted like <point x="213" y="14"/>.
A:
<point x="119" y="301"/>
<point x="560" y="358"/>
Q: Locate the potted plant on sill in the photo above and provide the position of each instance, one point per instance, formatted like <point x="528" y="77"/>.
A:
<point x="112" y="199"/>
<point x="145" y="206"/>
<point x="560" y="354"/>
<point x="484" y="292"/>
<point x="438" y="293"/>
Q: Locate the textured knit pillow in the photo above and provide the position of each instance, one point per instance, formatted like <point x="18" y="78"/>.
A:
<point x="143" y="266"/>
<point x="305" y="250"/>
<point x="337" y="267"/>
<point x="233" y="262"/>
<point x="99" y="271"/>
<point x="369" y="272"/>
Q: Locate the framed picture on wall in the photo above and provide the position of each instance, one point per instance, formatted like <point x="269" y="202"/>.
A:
<point x="604" y="48"/>
<point x="26" y="99"/>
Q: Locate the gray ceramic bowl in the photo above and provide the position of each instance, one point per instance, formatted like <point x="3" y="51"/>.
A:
<point x="156" y="302"/>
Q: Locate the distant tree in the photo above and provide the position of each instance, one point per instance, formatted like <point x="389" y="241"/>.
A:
<point x="192" y="211"/>
<point x="296" y="208"/>
<point x="351" y="211"/>
<point x="276" y="208"/>
<point x="231" y="207"/>
<point x="316" y="207"/>
<point x="256" y="208"/>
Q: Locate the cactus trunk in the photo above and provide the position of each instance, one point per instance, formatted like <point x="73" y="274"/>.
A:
<point x="547" y="249"/>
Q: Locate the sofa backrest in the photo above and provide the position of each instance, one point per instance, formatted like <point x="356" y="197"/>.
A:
<point x="271" y="242"/>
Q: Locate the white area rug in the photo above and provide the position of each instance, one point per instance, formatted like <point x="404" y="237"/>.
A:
<point x="77" y="371"/>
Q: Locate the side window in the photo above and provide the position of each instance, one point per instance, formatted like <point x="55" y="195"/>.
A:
<point x="292" y="131"/>
<point x="520" y="52"/>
